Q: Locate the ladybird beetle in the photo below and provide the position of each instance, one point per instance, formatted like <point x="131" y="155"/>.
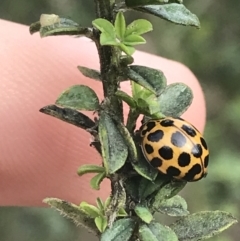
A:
<point x="175" y="147"/>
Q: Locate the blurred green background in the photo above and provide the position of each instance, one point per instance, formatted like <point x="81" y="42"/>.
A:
<point x="213" y="54"/>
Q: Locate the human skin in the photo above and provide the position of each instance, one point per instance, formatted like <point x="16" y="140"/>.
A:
<point x="39" y="155"/>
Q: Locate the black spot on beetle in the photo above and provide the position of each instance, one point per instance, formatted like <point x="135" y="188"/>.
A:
<point x="173" y="171"/>
<point x="166" y="152"/>
<point x="155" y="136"/>
<point x="196" y="169"/>
<point x="184" y="159"/>
<point x="197" y="151"/>
<point x="148" y="148"/>
<point x="156" y="162"/>
<point x="178" y="139"/>
<point x="203" y="143"/>
<point x="206" y="161"/>
<point x="167" y="123"/>
<point x="148" y="127"/>
<point x="189" y="130"/>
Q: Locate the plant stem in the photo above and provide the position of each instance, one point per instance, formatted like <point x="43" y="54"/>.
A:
<point x="109" y="61"/>
<point x="131" y="120"/>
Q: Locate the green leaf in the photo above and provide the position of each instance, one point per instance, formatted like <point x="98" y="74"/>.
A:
<point x="126" y="98"/>
<point x="156" y="232"/>
<point x="202" y="225"/>
<point x="132" y="185"/>
<point x="121" y="230"/>
<point x="101" y="223"/>
<point x="175" y="207"/>
<point x="147" y="187"/>
<point x="72" y="211"/>
<point x="120" y="25"/>
<point x="139" y="93"/>
<point x="143" y="213"/>
<point x="79" y="97"/>
<point x="89" y="209"/>
<point x="143" y="167"/>
<point x="128" y="140"/>
<point x="122" y="213"/>
<point x="100" y="205"/>
<point x="104" y="26"/>
<point x="136" y="3"/>
<point x="107" y="202"/>
<point x="90" y="73"/>
<point x="96" y="180"/>
<point x="167" y="191"/>
<point x="57" y="30"/>
<point x="151" y="79"/>
<point x="70" y="116"/>
<point x="149" y="106"/>
<point x="108" y="34"/>
<point x="129" y="50"/>
<point x="175" y="99"/>
<point x="90" y="169"/>
<point x="108" y="39"/>
<point x="134" y="39"/>
<point x="114" y="149"/>
<point x="174" y="12"/>
<point x="138" y="27"/>
<point x="52" y="25"/>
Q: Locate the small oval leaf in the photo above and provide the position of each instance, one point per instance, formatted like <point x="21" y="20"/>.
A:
<point x="90" y="73"/>
<point x="175" y="207"/>
<point x="104" y="26"/>
<point x="134" y="39"/>
<point x="143" y="167"/>
<point x="167" y="191"/>
<point x="51" y="25"/>
<point x="174" y="12"/>
<point x="122" y="213"/>
<point x="114" y="149"/>
<point x="129" y="50"/>
<point x="90" y="169"/>
<point x="149" y="107"/>
<point x="156" y="232"/>
<point x="89" y="209"/>
<point x="175" y="99"/>
<point x="151" y="79"/>
<point x="108" y="39"/>
<point x="96" y="180"/>
<point x="143" y="213"/>
<point x="72" y="212"/>
<point x="101" y="223"/>
<point x="70" y="116"/>
<point x="138" y="27"/>
<point x="147" y="187"/>
<point x="147" y="102"/>
<point x="120" y="25"/>
<point x="126" y="98"/>
<point x="121" y="230"/>
<point x="202" y="225"/>
<point x="128" y="139"/>
<point x="79" y="97"/>
<point x="100" y="204"/>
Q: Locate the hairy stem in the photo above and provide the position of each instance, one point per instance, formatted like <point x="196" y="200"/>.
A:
<point x="109" y="60"/>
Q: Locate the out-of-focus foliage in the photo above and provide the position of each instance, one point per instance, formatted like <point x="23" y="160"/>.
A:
<point x="213" y="54"/>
